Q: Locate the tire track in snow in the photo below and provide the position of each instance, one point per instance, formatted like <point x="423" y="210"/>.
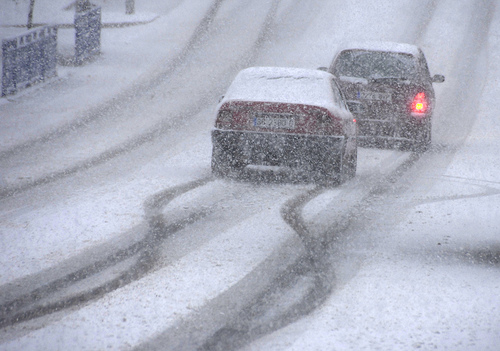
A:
<point x="293" y="211"/>
<point x="11" y="311"/>
<point x="307" y="282"/>
<point x="248" y="325"/>
<point x="146" y="253"/>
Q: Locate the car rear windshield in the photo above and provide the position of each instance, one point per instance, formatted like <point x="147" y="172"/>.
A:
<point x="278" y="86"/>
<point x="374" y="64"/>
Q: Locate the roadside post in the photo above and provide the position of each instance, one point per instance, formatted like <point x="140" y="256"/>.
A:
<point x="87" y="32"/>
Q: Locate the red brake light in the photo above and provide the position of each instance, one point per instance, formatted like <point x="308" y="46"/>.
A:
<point x="419" y="104"/>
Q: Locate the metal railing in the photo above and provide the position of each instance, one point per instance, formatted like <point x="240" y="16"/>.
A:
<point x="28" y="59"/>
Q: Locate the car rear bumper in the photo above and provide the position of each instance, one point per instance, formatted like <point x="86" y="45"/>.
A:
<point x="405" y="127"/>
<point x="279" y="149"/>
<point x="388" y="121"/>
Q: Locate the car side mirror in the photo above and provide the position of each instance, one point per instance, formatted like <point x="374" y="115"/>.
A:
<point x="323" y="69"/>
<point x="438" y="78"/>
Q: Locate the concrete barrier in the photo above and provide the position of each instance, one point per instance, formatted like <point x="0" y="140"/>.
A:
<point x="87" y="34"/>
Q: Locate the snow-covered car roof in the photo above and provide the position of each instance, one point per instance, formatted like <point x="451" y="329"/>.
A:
<point x="284" y="85"/>
<point x="383" y="46"/>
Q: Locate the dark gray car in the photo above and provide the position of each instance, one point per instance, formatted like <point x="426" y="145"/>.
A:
<point x="389" y="89"/>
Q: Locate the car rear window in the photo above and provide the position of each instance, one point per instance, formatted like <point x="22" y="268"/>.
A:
<point x="281" y="86"/>
<point x="374" y="64"/>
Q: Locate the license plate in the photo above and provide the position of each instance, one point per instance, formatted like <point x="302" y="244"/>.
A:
<point x="274" y="121"/>
<point x="373" y="95"/>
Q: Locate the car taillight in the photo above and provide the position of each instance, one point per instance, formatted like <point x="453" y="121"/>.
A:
<point x="224" y="119"/>
<point x="419" y="103"/>
<point x="326" y="123"/>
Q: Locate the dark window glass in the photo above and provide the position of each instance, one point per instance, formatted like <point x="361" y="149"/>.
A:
<point x="375" y="64"/>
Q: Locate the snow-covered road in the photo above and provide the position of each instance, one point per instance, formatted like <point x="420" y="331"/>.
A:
<point x="110" y="217"/>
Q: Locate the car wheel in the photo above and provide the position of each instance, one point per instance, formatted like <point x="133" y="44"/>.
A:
<point x="351" y="164"/>
<point x="347" y="164"/>
<point x="224" y="163"/>
<point x="220" y="162"/>
<point x="331" y="171"/>
<point x="422" y="138"/>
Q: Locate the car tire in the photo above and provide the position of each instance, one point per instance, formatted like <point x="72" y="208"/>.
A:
<point x="347" y="165"/>
<point x="220" y="164"/>
<point x="351" y="164"/>
<point x="330" y="172"/>
<point x="224" y="163"/>
<point x="423" y="138"/>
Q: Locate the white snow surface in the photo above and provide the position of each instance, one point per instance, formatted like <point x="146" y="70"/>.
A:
<point x="286" y="85"/>
<point x="411" y="276"/>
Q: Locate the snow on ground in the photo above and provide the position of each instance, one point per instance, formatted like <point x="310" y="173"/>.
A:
<point x="422" y="282"/>
<point x="324" y="27"/>
<point x="124" y="51"/>
<point x="44" y="108"/>
<point x="72" y="224"/>
<point x="166" y="295"/>
<point x="430" y="279"/>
